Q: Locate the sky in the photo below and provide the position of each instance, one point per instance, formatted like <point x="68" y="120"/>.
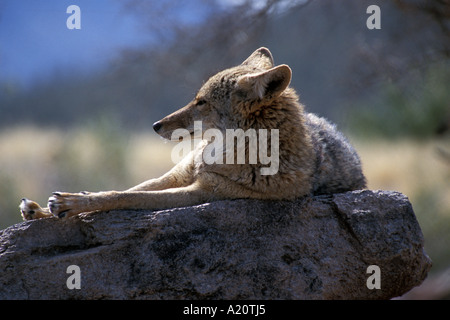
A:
<point x="35" y="41"/>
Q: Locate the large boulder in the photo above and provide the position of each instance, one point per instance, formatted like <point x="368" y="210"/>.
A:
<point x="320" y="247"/>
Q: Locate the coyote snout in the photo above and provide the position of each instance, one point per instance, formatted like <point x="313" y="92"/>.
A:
<point x="253" y="140"/>
<point x="182" y="118"/>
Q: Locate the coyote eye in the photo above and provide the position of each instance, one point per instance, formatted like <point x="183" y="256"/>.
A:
<point x="201" y="102"/>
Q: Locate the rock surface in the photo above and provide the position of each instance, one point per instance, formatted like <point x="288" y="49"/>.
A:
<point x="312" y="248"/>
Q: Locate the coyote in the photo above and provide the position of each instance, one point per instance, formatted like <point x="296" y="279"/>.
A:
<point x="313" y="157"/>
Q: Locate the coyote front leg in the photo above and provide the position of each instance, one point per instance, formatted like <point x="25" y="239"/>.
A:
<point x="175" y="188"/>
<point x="180" y="175"/>
<point x="65" y="205"/>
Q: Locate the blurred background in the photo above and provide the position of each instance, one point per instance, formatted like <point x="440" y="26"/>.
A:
<point x="76" y="106"/>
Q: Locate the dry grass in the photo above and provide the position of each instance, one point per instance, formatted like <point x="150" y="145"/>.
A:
<point x="408" y="166"/>
<point x="148" y="157"/>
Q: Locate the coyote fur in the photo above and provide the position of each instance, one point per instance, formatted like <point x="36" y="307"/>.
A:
<point x="314" y="158"/>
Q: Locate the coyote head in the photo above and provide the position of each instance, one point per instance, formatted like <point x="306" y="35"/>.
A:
<point x="233" y="98"/>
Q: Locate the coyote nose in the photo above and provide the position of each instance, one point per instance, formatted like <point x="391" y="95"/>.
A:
<point x="156" y="126"/>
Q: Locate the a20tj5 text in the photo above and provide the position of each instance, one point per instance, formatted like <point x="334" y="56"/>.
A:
<point x="232" y="309"/>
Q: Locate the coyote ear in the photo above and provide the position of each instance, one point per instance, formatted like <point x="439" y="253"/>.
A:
<point x="267" y="84"/>
<point x="261" y="58"/>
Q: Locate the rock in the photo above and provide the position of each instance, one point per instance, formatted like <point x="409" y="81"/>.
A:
<point x="312" y="248"/>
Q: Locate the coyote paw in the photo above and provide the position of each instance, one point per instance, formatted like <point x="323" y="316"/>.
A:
<point x="64" y="205"/>
<point x="31" y="210"/>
